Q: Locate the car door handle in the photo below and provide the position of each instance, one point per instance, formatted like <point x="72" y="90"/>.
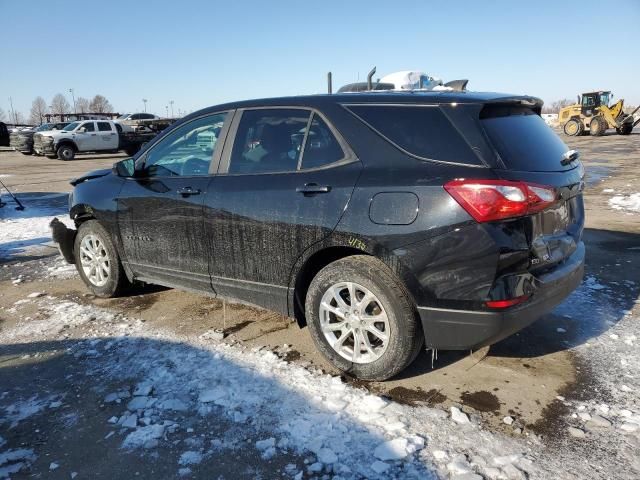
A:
<point x="187" y="191"/>
<point x="94" y="134"/>
<point x="313" y="188"/>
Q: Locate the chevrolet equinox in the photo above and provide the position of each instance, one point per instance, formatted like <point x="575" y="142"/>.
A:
<point x="382" y="221"/>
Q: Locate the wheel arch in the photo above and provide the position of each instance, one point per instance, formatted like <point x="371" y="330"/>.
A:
<point x="66" y="141"/>
<point x="80" y="213"/>
<point x="309" y="268"/>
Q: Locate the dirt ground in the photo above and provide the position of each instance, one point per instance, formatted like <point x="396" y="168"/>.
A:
<point x="521" y="376"/>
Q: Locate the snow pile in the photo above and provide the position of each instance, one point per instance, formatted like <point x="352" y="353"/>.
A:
<point x="15" y="460"/>
<point x="18" y="235"/>
<point x="339" y="429"/>
<point x="629" y="203"/>
<point x="19" y="411"/>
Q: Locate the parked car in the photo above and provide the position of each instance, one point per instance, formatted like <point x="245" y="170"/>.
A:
<point x="22" y="141"/>
<point x="88" y="136"/>
<point x="4" y="135"/>
<point x="134" y="117"/>
<point x="382" y="221"/>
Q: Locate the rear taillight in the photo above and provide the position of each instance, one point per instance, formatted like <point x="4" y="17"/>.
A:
<point x="490" y="200"/>
<point x="506" y="303"/>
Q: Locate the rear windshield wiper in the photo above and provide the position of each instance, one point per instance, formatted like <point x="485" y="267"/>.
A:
<point x="569" y="157"/>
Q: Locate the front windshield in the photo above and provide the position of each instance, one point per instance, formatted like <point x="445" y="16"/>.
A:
<point x="122" y="117"/>
<point x="604" y="99"/>
<point x="71" y="126"/>
<point x="43" y="128"/>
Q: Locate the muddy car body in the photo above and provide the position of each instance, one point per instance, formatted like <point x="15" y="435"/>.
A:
<point x="386" y="221"/>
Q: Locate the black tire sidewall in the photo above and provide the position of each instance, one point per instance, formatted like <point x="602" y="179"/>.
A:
<point x="61" y="149"/>
<point x="116" y="280"/>
<point x="403" y="325"/>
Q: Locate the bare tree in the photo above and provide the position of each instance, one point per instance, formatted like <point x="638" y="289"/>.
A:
<point x="558" y="105"/>
<point x="82" y="105"/>
<point x="38" y="109"/>
<point x="100" y="104"/>
<point x="59" y="104"/>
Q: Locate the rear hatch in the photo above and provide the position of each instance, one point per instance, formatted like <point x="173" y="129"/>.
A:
<point x="529" y="151"/>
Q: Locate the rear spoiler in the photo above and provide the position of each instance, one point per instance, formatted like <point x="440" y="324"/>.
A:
<point x="501" y="107"/>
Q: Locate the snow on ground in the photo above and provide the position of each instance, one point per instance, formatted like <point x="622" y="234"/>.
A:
<point x="23" y="231"/>
<point x="630" y="203"/>
<point x="282" y="407"/>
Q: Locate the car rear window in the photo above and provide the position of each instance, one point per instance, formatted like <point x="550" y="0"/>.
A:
<point x="523" y="140"/>
<point x="420" y="130"/>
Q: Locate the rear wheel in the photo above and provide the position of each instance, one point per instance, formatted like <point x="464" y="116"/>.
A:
<point x="573" y="128"/>
<point x="66" y="152"/>
<point x="362" y="319"/>
<point x="625" y="129"/>
<point x="97" y="260"/>
<point x="598" y="126"/>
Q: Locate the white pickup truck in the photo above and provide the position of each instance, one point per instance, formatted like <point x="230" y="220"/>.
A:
<point x="88" y="136"/>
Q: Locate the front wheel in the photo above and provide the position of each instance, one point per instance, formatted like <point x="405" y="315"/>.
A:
<point x="362" y="319"/>
<point x="97" y="261"/>
<point x="66" y="152"/>
<point x="625" y="129"/>
<point x="598" y="126"/>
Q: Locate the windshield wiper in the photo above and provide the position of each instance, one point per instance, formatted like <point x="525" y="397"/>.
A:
<point x="568" y="157"/>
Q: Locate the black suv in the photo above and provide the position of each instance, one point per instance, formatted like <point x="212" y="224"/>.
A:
<point x="382" y="221"/>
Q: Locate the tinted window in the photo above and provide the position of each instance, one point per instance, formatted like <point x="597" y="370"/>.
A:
<point x="269" y="140"/>
<point x="526" y="143"/>
<point x="135" y="116"/>
<point x="420" y="130"/>
<point x="145" y="116"/>
<point x="89" y="127"/>
<point x="321" y="147"/>
<point x="104" y="127"/>
<point x="188" y="150"/>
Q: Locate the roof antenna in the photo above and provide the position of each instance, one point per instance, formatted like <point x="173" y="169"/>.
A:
<point x="329" y="86"/>
<point x="369" y="77"/>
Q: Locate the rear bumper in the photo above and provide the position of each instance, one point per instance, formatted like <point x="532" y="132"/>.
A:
<point x="465" y="329"/>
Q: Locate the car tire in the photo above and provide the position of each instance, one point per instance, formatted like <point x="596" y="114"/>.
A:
<point x="573" y="128"/>
<point x="388" y="302"/>
<point x="66" y="152"/>
<point x="98" y="262"/>
<point x="598" y="126"/>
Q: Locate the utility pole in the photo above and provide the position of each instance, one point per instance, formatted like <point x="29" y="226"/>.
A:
<point x="74" y="102"/>
<point x="13" y="112"/>
<point x="171" y="103"/>
<point x="167" y="108"/>
<point x="144" y="100"/>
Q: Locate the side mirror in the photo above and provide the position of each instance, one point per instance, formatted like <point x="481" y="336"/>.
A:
<point x="124" y="168"/>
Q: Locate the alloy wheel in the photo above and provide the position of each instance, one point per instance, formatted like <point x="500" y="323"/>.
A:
<point x="95" y="260"/>
<point x="354" y="322"/>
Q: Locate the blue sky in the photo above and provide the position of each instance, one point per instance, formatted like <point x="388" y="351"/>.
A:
<point x="199" y="53"/>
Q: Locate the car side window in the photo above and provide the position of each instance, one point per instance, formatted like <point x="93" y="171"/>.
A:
<point x="322" y="147"/>
<point x="186" y="151"/>
<point x="104" y="127"/>
<point x="269" y="141"/>
<point x="89" y="127"/>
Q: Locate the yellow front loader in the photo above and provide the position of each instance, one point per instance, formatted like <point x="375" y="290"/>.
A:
<point x="593" y="114"/>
